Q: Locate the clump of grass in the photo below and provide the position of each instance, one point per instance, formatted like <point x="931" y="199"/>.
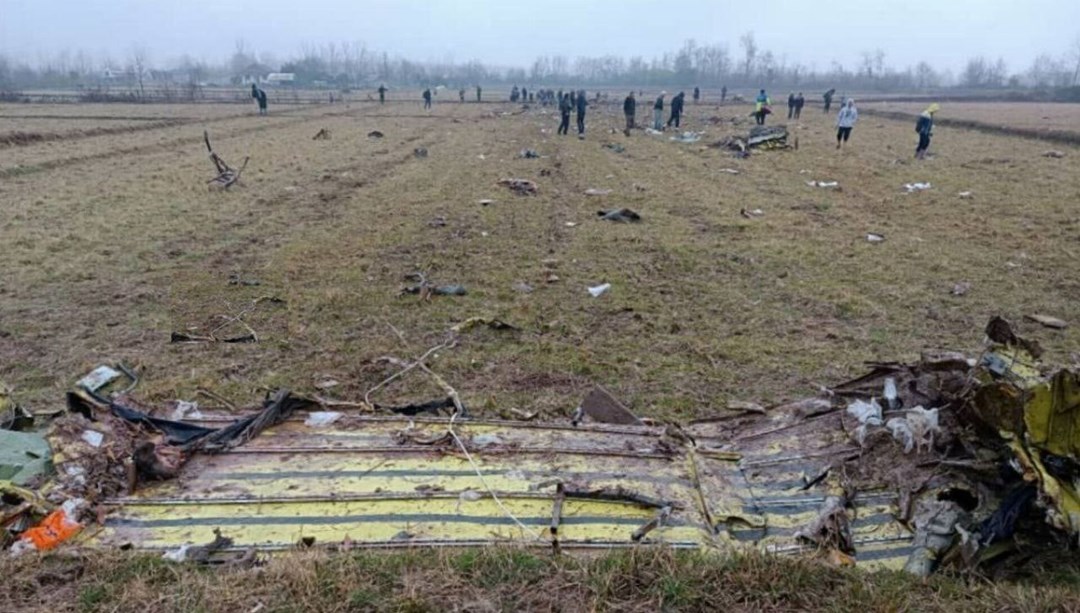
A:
<point x="499" y="579"/>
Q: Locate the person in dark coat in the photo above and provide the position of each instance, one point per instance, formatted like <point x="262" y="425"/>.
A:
<point x="723" y="94"/>
<point x="461" y="95"/>
<point x="791" y="105"/>
<point x="260" y="98"/>
<point x="524" y="95"/>
<point x="514" y="94"/>
<point x="676" y="109"/>
<point x="828" y="99"/>
<point x="925" y="127"/>
<point x="697" y="94"/>
<point x="658" y="112"/>
<point x="478" y="92"/>
<point x="382" y="94"/>
<point x="629" y="109"/>
<point x="564" y="114"/>
<point x="582" y="103"/>
<point x="427" y="98"/>
<point x="800" y="100"/>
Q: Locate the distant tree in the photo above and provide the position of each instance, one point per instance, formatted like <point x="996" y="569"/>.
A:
<point x="750" y="50"/>
<point x="926" y="77"/>
<point x="1075" y="53"/>
<point x="139" y="67"/>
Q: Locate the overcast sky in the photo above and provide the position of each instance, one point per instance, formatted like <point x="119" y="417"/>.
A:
<point x="514" y="32"/>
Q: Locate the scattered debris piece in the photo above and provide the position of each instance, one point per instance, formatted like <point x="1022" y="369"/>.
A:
<point x="768" y="137"/>
<point x="751" y="214"/>
<point x="1048" y="321"/>
<point x="966" y="195"/>
<point x="746" y="406"/>
<point x="731" y="143"/>
<point x="521" y="187"/>
<point x="320" y="419"/>
<point x="420" y="152"/>
<point x="186" y="410"/>
<point x="730" y="171"/>
<point x="1053" y="154"/>
<point x="375" y="134"/>
<point x="620" y="215"/>
<point x="486" y="202"/>
<point x="24" y="457"/>
<point x="236" y="279"/>
<point x="438" y="222"/>
<point x="961" y="289"/>
<point x="916" y="187"/>
<point x="592" y="191"/>
<point x="57" y="527"/>
<point x="599" y="290"/>
<point x="98" y="378"/>
<point x="181" y="337"/>
<point x="640" y="188"/>
<point x="825" y="184"/>
<point x="488" y="322"/>
<point x="616" y="147"/>
<point x="874" y="237"/>
<point x="599" y="405"/>
<point x="322" y="134"/>
<point x="12" y="415"/>
<point x="529" y="154"/>
<point x="523" y="287"/>
<point x="226" y="177"/>
<point x="687" y="137"/>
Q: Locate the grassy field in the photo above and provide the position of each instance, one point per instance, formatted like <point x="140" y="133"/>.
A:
<point x="1027" y="115"/>
<point x="506" y="580"/>
<point x="111" y="242"/>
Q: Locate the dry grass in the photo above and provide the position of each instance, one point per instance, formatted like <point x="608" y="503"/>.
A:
<point x="505" y="580"/>
<point x="1026" y="115"/>
<point x="112" y="242"/>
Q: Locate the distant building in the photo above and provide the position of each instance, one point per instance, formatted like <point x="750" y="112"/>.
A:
<point x="279" y="78"/>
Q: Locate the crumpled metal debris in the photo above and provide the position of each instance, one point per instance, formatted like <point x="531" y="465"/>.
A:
<point x="620" y="215"/>
<point x="995" y="473"/>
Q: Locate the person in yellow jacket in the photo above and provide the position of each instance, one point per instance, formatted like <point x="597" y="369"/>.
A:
<point x="761" y="107"/>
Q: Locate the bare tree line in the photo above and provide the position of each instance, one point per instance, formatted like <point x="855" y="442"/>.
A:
<point x="351" y="64"/>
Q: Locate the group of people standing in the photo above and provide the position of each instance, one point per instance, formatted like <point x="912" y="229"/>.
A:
<point x="577" y="101"/>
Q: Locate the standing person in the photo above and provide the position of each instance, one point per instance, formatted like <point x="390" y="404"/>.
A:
<point x="427" y="98"/>
<point x="845" y="122"/>
<point x="514" y="94"/>
<point x="524" y="95"/>
<point x="478" y="92"/>
<point x="658" y="112"/>
<point x="564" y="114"/>
<point x="723" y="94"/>
<point x="382" y="93"/>
<point x="925" y="128"/>
<point x="676" y="109"/>
<point x="761" y="107"/>
<point x="629" y="109"/>
<point x="260" y="98"/>
<point x="799" y="102"/>
<point x="582" y="103"/>
<point x="791" y="105"/>
<point x="697" y="94"/>
<point x="461" y="95"/>
<point x="828" y="99"/>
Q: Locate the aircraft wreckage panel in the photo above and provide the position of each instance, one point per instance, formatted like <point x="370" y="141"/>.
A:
<point x="377" y="482"/>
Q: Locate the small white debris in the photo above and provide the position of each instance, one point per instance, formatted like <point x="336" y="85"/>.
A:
<point x="599" y="290"/>
<point x="93" y="438"/>
<point x="319" y="419"/>
<point x="874" y="238"/>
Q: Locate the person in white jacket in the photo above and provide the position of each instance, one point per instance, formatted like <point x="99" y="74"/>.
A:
<point x="845" y="121"/>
